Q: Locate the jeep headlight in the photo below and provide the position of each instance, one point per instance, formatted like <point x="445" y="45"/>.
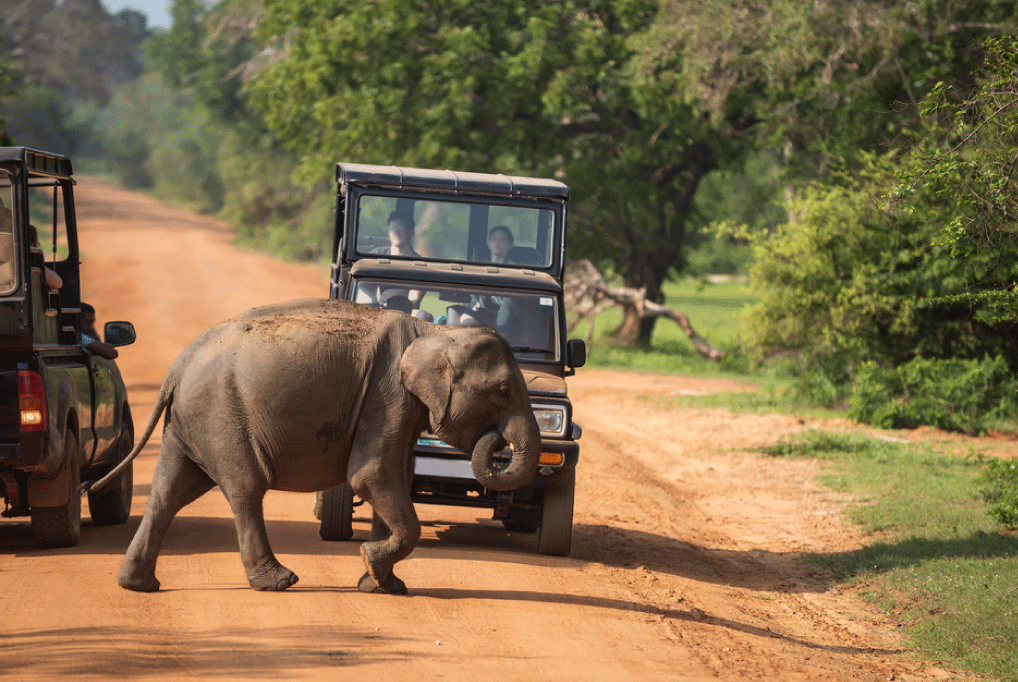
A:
<point x="551" y="419"/>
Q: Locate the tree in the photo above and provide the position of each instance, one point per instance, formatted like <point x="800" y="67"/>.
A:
<point x="73" y="47"/>
<point x="966" y="163"/>
<point x="854" y="278"/>
<point x="5" y="91"/>
<point x="632" y="102"/>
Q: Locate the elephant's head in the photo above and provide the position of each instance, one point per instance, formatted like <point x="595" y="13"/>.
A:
<point x="477" y="400"/>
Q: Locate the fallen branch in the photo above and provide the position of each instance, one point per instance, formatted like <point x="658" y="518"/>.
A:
<point x="587" y="294"/>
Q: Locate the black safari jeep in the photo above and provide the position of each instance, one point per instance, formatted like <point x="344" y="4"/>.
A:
<point x="63" y="411"/>
<point x="468" y="249"/>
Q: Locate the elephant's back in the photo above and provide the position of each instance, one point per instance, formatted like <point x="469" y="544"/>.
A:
<point x="316" y="316"/>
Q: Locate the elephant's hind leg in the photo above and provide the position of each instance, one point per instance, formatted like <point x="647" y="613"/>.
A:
<point x="176" y="483"/>
<point x="264" y="572"/>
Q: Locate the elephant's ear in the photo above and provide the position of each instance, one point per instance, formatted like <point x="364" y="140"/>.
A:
<point x="426" y="372"/>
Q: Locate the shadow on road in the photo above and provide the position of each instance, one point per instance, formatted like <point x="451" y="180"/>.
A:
<point x="138" y="652"/>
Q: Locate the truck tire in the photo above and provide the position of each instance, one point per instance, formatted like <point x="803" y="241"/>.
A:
<point x="112" y="505"/>
<point x="337" y="513"/>
<point x="61" y="526"/>
<point x="556" y="534"/>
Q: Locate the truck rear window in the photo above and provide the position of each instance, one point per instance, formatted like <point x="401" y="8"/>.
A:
<point x="445" y="230"/>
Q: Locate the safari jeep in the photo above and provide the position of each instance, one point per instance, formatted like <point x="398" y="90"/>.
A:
<point x="447" y="273"/>
<point x="63" y="412"/>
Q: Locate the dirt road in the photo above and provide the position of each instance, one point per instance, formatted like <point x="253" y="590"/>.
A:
<point x="684" y="562"/>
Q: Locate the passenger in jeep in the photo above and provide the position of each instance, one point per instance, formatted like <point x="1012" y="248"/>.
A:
<point x="401" y="243"/>
<point x="500" y="242"/>
<point x="90" y="337"/>
<point x="401" y="236"/>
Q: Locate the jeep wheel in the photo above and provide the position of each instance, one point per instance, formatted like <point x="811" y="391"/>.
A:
<point x="61" y="526"/>
<point x="112" y="505"/>
<point x="336" y="513"/>
<point x="556" y="533"/>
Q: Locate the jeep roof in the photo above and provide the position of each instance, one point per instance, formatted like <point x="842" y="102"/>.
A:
<point x="452" y="214"/>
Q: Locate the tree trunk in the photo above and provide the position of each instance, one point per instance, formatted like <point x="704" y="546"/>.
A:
<point x="587" y="295"/>
<point x="635" y="329"/>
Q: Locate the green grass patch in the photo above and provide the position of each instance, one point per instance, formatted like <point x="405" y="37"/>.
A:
<point x="715" y="312"/>
<point x="773" y="395"/>
<point x="939" y="564"/>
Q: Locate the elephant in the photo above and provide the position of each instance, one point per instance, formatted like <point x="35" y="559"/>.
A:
<point x="304" y="395"/>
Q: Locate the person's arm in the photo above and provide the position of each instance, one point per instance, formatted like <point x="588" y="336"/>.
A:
<point x="53" y="280"/>
<point x="103" y="350"/>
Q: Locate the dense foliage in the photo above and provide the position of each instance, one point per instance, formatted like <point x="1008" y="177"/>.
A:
<point x="966" y="162"/>
<point x="784" y="124"/>
<point x="634" y="103"/>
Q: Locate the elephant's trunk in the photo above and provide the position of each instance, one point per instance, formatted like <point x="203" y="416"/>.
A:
<point x="519" y="470"/>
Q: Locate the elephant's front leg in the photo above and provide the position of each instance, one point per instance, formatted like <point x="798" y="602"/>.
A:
<point x="264" y="572"/>
<point x="394" y="534"/>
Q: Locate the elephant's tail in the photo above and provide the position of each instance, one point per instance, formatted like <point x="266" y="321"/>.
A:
<point x="162" y="400"/>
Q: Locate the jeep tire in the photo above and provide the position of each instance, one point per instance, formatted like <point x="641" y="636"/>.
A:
<point x="336" y="513"/>
<point x="556" y="534"/>
<point x="112" y="505"/>
<point x="61" y="526"/>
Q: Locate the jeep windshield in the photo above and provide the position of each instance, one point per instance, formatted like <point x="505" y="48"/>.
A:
<point x="527" y="320"/>
<point x="428" y="228"/>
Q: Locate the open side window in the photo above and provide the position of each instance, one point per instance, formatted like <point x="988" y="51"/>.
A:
<point x="8" y="272"/>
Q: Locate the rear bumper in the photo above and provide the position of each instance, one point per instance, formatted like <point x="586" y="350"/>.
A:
<point x="26" y="455"/>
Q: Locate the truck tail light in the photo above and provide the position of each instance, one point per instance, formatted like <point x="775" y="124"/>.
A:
<point x="32" y="398"/>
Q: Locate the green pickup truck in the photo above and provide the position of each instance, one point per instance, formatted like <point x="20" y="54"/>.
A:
<point x="64" y="412"/>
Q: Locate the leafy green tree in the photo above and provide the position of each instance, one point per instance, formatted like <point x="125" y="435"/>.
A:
<point x="851" y="278"/>
<point x="72" y="47"/>
<point x="632" y="102"/>
<point x="966" y="164"/>
<point x="5" y="91"/>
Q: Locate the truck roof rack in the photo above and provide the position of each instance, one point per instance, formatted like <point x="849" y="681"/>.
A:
<point x="44" y="163"/>
<point x="453" y="182"/>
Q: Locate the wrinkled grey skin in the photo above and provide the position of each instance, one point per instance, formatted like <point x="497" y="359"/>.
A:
<point x="304" y="395"/>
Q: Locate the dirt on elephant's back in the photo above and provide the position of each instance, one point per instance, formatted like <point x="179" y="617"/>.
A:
<point x="318" y="316"/>
<point x="686" y="547"/>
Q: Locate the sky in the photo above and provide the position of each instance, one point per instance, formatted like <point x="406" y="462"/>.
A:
<point x="157" y="11"/>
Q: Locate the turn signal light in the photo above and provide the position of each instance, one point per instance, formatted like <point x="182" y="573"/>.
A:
<point x="32" y="400"/>
<point x="552" y="459"/>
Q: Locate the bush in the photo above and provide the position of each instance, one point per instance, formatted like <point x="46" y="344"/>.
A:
<point x="999" y="482"/>
<point x="955" y="395"/>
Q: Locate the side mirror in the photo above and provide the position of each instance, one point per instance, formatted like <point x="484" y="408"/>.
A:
<point x="576" y="353"/>
<point x="119" y="333"/>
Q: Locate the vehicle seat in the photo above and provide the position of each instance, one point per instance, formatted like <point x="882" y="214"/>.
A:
<point x="524" y="255"/>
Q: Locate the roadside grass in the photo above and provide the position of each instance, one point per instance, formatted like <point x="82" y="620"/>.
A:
<point x="714" y="310"/>
<point x="938" y="565"/>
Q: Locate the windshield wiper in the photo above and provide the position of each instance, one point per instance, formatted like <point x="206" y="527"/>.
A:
<point x="528" y="349"/>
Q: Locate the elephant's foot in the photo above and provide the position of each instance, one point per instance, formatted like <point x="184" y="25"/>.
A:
<point x="138" y="579"/>
<point x="375" y="581"/>
<point x="275" y="580"/>
<point x="392" y="585"/>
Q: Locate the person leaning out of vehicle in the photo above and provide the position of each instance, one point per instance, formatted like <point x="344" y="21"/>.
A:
<point x="90" y="337"/>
